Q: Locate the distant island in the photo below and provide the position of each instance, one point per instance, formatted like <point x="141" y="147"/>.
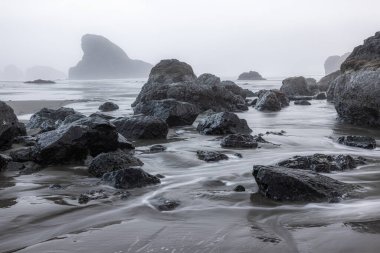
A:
<point x="333" y="63"/>
<point x="41" y="81"/>
<point x="103" y="59"/>
<point x="251" y="75"/>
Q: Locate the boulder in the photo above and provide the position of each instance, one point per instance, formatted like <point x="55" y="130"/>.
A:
<point x="321" y="96"/>
<point x="223" y="123"/>
<point x="239" y="141"/>
<point x="211" y="156"/>
<point x="10" y="127"/>
<point x="163" y="204"/>
<point x="236" y="89"/>
<point x="324" y="83"/>
<point x="112" y="161"/>
<point x="302" y="102"/>
<point x="295" y="86"/>
<point x="281" y="97"/>
<point x="333" y="63"/>
<point x="358" y="141"/>
<point x="239" y="188"/>
<point x="129" y="178"/>
<point x="102" y="59"/>
<point x="174" y="113"/>
<point x="108" y="107"/>
<point x="322" y="163"/>
<point x="141" y="127"/>
<point x="285" y="184"/>
<point x="312" y="85"/>
<point x="251" y="75"/>
<point x="176" y="80"/>
<point x="157" y="148"/>
<point x="268" y="102"/>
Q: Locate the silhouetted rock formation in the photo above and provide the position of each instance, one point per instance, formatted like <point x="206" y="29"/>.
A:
<point x="44" y="72"/>
<point x="103" y="59"/>
<point x="333" y="63"/>
<point x="251" y="75"/>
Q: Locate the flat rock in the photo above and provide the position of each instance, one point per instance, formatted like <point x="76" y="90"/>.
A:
<point x="211" y="156"/>
<point x="41" y="81"/>
<point x="223" y="123"/>
<point x="239" y="141"/>
<point x="129" y="178"/>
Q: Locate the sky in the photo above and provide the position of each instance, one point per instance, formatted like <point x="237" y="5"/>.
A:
<point x="223" y="37"/>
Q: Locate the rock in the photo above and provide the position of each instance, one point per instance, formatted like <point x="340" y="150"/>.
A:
<point x="160" y="176"/>
<point x="176" y="80"/>
<point x="4" y="160"/>
<point x="163" y="204"/>
<point x="29" y="167"/>
<point x="282" y="132"/>
<point x="358" y="141"/>
<point x="239" y="188"/>
<point x="223" y="123"/>
<point x="25" y="140"/>
<point x="285" y="184"/>
<point x="157" y="148"/>
<point x="320" y="96"/>
<point x="322" y="163"/>
<point x="84" y="198"/>
<point x="268" y="102"/>
<point x="101" y="115"/>
<point x="239" y="141"/>
<point x="295" y="86"/>
<point x="302" y="102"/>
<point x="40" y="81"/>
<point x="334" y="62"/>
<point x="211" y="156"/>
<point x="251" y="75"/>
<point x="102" y="59"/>
<point x="129" y="178"/>
<point x="174" y="113"/>
<point x="24" y="154"/>
<point x="10" y="127"/>
<point x="108" y="107"/>
<point x="236" y="89"/>
<point x="324" y="83"/>
<point x="238" y="155"/>
<point x="299" y="98"/>
<point x="312" y="85"/>
<point x="141" y="127"/>
<point x="55" y="187"/>
<point x="123" y="143"/>
<point x="44" y="72"/>
<point x="251" y="102"/>
<point x="112" y="161"/>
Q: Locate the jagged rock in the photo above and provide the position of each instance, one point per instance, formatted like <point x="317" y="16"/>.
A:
<point x="239" y="188"/>
<point x="295" y="86"/>
<point x="211" y="156"/>
<point x="236" y="89"/>
<point x="141" y="127"/>
<point x="102" y="59"/>
<point x="333" y="63"/>
<point x="108" y="107"/>
<point x="285" y="184"/>
<point x="268" y="102"/>
<point x="239" y="141"/>
<point x="281" y="97"/>
<point x="251" y="75"/>
<point x="10" y="127"/>
<point x="358" y="141"/>
<point x="129" y="178"/>
<point x="40" y="81"/>
<point x="223" y="123"/>
<point x="174" y="113"/>
<point x="324" y="83"/>
<point x="321" y="96"/>
<point x="302" y="102"/>
<point x="322" y="163"/>
<point x="176" y="80"/>
<point x="112" y="161"/>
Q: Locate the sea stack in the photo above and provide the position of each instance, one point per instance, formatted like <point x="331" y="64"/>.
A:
<point x="333" y="63"/>
<point x="102" y="59"/>
<point x="251" y="75"/>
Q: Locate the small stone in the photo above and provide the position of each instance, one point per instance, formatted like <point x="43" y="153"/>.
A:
<point x="239" y="188"/>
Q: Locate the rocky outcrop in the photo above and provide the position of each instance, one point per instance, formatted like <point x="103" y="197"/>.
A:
<point x="324" y="83"/>
<point x="211" y="156"/>
<point x="102" y="59"/>
<point x="173" y="112"/>
<point x="10" y="127"/>
<point x="358" y="141"/>
<point x="129" y="178"/>
<point x="268" y="102"/>
<point x="295" y="86"/>
<point x="356" y="92"/>
<point x="239" y="141"/>
<point x="251" y="75"/>
<point x="41" y="81"/>
<point x="334" y="62"/>
<point x="223" y="123"/>
<point x="141" y="127"/>
<point x="172" y="79"/>
<point x="285" y="184"/>
<point x="236" y="89"/>
<point x="108" y="107"/>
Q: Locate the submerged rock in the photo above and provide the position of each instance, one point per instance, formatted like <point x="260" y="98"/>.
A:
<point x="302" y="102"/>
<point x="157" y="148"/>
<point x="251" y="75"/>
<point x="163" y="204"/>
<point x="174" y="113"/>
<point x="40" y="81"/>
<point x="285" y="184"/>
<point x="322" y="163"/>
<point x="129" y="178"/>
<point x="10" y="127"/>
<point x="211" y="156"/>
<point x="295" y="86"/>
<point x="108" y="107"/>
<point x="141" y="127"/>
<point x="358" y="141"/>
<point x="239" y="141"/>
<point x="223" y="123"/>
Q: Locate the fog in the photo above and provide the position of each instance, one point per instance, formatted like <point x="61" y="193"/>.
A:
<point x="274" y="37"/>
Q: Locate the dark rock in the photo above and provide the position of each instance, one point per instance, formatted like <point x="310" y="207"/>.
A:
<point x="102" y="59"/>
<point x="173" y="112"/>
<point x="223" y="123"/>
<point x="26" y="140"/>
<point x="358" y="141"/>
<point x="282" y="132"/>
<point x="251" y="75"/>
<point x="103" y="116"/>
<point x="123" y="143"/>
<point x="236" y="89"/>
<point x="129" y="178"/>
<point x="295" y="86"/>
<point x="211" y="156"/>
<point x="251" y="102"/>
<point x="157" y="148"/>
<point x="163" y="204"/>
<point x="239" y="188"/>
<point x="29" y="168"/>
<point x="23" y="155"/>
<point x="238" y="155"/>
<point x="176" y="80"/>
<point x="268" y="102"/>
<point x="4" y="160"/>
<point x="285" y="184"/>
<point x="312" y="85"/>
<point x="298" y="98"/>
<point x="321" y="96"/>
<point x="84" y="198"/>
<point x="141" y="127"/>
<point x="160" y="176"/>
<point x="302" y="102"/>
<point x="10" y="127"/>
<point x="55" y="187"/>
<point x="322" y="163"/>
<point x="324" y="83"/>
<point x="40" y="81"/>
<point x="239" y="141"/>
<point x="108" y="107"/>
<point x="112" y="161"/>
<point x="333" y="63"/>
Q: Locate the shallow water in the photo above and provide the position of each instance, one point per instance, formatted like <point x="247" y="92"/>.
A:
<point x="211" y="217"/>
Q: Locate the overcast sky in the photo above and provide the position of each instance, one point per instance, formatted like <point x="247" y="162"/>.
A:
<point x="224" y="37"/>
